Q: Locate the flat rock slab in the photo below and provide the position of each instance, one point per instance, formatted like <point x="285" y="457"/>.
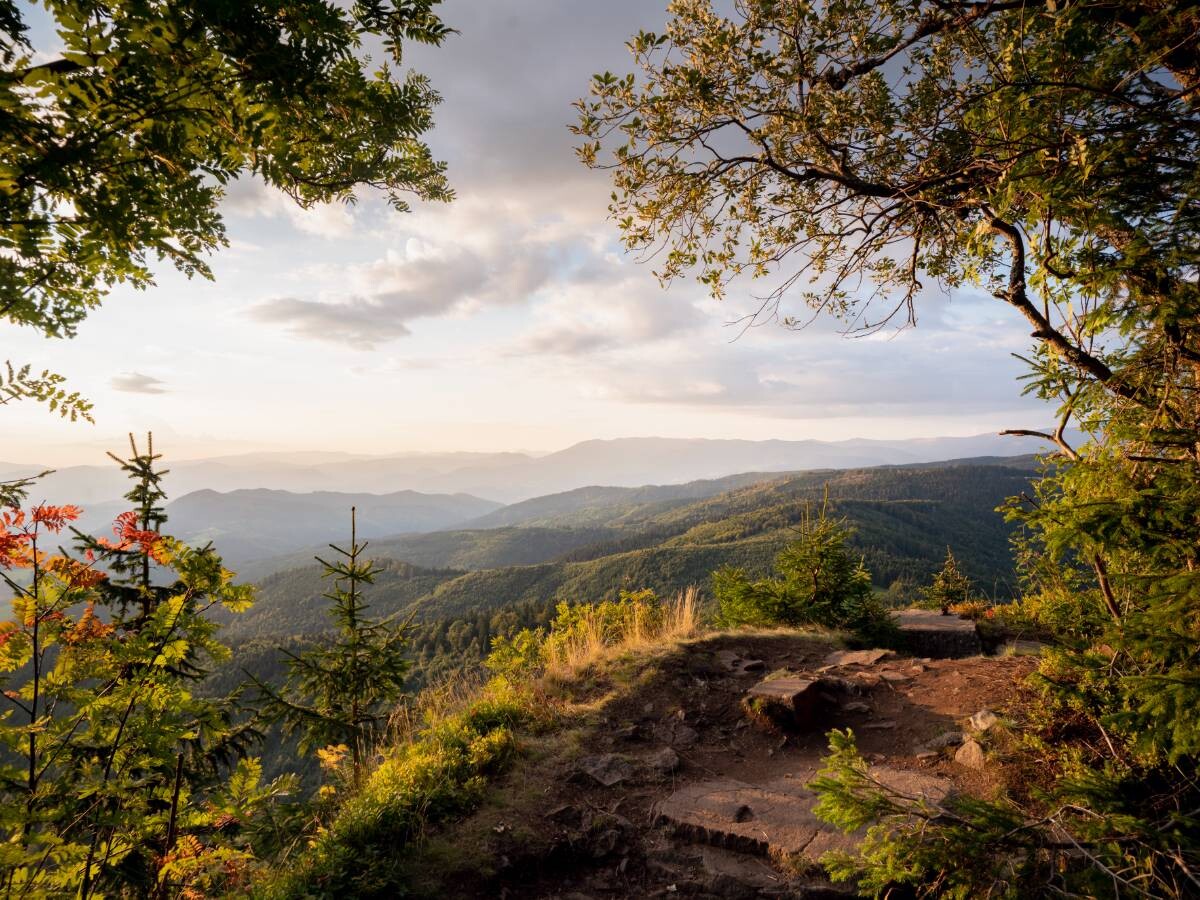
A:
<point x="840" y="658"/>
<point x="927" y="632"/>
<point x="775" y="819"/>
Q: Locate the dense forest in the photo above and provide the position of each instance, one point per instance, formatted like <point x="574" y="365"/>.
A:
<point x="902" y="519"/>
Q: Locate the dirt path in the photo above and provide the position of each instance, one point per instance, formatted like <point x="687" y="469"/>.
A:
<point x="580" y="814"/>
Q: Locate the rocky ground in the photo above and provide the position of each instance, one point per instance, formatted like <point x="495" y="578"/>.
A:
<point x="683" y="772"/>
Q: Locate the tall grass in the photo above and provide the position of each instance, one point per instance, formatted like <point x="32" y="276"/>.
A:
<point x="587" y="634"/>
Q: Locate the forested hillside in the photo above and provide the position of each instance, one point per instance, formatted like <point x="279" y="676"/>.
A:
<point x="904" y="519"/>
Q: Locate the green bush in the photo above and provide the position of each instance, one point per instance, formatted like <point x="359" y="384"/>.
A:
<point x="817" y="582"/>
<point x="441" y="774"/>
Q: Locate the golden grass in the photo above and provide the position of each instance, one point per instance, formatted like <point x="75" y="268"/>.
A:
<point x="596" y="637"/>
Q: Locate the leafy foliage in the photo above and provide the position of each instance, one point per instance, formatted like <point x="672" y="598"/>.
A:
<point x="902" y="848"/>
<point x="112" y="766"/>
<point x="21" y="383"/>
<point x="118" y="151"/>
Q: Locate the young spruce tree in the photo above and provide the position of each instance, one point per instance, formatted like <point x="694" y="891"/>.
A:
<point x="342" y="691"/>
<point x="950" y="585"/>
<point x="818" y="581"/>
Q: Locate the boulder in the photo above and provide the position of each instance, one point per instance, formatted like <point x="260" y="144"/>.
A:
<point x="792" y="701"/>
<point x="926" y="632"/>
<point x="970" y="755"/>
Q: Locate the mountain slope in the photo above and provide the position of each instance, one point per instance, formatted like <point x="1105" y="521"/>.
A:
<point x="904" y="517"/>
<point x="249" y="524"/>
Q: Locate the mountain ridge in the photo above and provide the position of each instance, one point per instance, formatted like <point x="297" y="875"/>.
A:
<point x="513" y="477"/>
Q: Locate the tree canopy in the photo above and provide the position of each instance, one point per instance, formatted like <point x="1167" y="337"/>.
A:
<point x="853" y="152"/>
<point x="116" y="145"/>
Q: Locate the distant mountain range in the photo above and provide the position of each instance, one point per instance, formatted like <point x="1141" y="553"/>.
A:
<point x="251" y="524"/>
<point x="513" y="477"/>
<point x="596" y="543"/>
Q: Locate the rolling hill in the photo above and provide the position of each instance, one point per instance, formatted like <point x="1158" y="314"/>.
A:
<point x="904" y="519"/>
<point x="512" y="477"/>
<point x="249" y="524"/>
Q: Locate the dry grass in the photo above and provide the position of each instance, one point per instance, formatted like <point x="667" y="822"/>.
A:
<point x="434" y="703"/>
<point x="602" y="632"/>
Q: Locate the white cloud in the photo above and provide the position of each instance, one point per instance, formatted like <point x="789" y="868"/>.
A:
<point x="251" y="198"/>
<point x="137" y="383"/>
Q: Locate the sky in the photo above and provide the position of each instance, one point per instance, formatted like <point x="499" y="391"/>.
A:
<point x="509" y="319"/>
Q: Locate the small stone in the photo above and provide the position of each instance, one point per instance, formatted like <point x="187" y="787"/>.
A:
<point x="984" y="720"/>
<point x="751" y="665"/>
<point x="945" y="739"/>
<point x="857" y="706"/>
<point x="630" y="733"/>
<point x="729" y="659"/>
<point x="928" y="755"/>
<point x="684" y="736"/>
<point x="664" y="762"/>
<point x="743" y="814"/>
<point x="605" y="843"/>
<point x="567" y="816"/>
<point x="970" y="755"/>
<point x="607" y="769"/>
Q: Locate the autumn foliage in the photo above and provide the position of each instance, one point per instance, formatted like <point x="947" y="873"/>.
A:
<point x="114" y="775"/>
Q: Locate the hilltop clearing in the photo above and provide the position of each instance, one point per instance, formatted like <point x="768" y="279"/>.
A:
<point x="654" y="779"/>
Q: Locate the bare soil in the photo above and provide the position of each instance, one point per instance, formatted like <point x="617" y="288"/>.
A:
<point x="550" y="830"/>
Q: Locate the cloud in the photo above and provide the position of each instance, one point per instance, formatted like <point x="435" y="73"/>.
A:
<point x="960" y="369"/>
<point x="455" y="261"/>
<point x="138" y="383"/>
<point x="392" y="292"/>
<point x="250" y="198"/>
